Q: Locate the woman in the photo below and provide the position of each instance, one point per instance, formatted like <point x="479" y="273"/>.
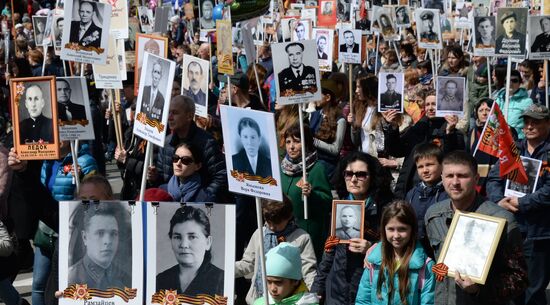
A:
<point x="358" y="177"/>
<point x="191" y="242"/>
<point x="455" y="65"/>
<point x="251" y="138"/>
<point x="363" y="119"/>
<point x="316" y="189"/>
<point x="186" y="185"/>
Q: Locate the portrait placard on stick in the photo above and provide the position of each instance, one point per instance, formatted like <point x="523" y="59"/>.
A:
<point x="155" y="45"/>
<point x="484" y="36"/>
<point x="107" y="76"/>
<point x="402" y="16"/>
<point x="325" y="40"/>
<point x="511" y="29"/>
<point x="296" y="67"/>
<point x="348" y="218"/>
<point x="206" y="13"/>
<point x="532" y="168"/>
<point x="428" y="28"/>
<point x="145" y="19"/>
<point x="450" y="96"/>
<point x="98" y="239"/>
<point x="350" y="46"/>
<point x="73" y="106"/>
<point x="224" y="49"/>
<point x="39" y="26"/>
<point x="251" y="152"/>
<point x="33" y="109"/>
<point x="195" y="82"/>
<point x="539" y="37"/>
<point x="326" y="14"/>
<point x="390" y="91"/>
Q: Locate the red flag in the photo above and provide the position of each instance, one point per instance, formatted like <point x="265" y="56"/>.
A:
<point x="496" y="140"/>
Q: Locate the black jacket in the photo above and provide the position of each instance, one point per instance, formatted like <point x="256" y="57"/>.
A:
<point x="209" y="280"/>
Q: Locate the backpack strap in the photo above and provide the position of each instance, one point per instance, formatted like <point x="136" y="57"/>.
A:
<point x="422" y="274"/>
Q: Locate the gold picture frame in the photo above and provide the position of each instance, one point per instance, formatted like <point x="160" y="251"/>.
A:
<point x="336" y="227"/>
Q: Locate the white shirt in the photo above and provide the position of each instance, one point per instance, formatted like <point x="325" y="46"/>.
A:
<point x="253" y="162"/>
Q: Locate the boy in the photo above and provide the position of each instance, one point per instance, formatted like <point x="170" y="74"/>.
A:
<point x="427" y="158"/>
<point x="284" y="277"/>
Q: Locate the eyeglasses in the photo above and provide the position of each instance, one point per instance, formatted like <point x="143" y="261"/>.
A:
<point x="185" y="160"/>
<point x="514" y="80"/>
<point x="361" y="175"/>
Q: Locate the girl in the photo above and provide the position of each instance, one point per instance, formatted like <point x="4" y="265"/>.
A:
<point x="398" y="270"/>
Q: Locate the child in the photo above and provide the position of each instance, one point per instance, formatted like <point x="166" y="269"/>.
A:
<point x="279" y="226"/>
<point x="284" y="277"/>
<point x="427" y="157"/>
<point x="398" y="270"/>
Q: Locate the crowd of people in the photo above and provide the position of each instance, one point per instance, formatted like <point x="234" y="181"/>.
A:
<point x="412" y="170"/>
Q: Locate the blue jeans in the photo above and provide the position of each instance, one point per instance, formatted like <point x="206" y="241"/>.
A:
<point x="8" y="293"/>
<point x="41" y="271"/>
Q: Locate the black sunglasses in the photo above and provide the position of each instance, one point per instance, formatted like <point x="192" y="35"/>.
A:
<point x="185" y="160"/>
<point x="361" y="175"/>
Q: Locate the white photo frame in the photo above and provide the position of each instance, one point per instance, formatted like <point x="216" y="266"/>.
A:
<point x="78" y="128"/>
<point x="391" y="92"/>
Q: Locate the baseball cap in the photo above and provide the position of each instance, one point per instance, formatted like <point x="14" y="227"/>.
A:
<point x="284" y="261"/>
<point x="536" y="111"/>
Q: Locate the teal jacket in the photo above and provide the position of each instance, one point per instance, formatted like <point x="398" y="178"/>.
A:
<point x="518" y="103"/>
<point x="421" y="291"/>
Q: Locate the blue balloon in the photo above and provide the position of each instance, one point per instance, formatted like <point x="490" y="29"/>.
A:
<point x="217" y="13"/>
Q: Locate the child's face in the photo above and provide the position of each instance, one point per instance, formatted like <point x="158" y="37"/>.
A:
<point x="429" y="170"/>
<point x="280" y="288"/>
<point x="398" y="234"/>
<point x="277" y="227"/>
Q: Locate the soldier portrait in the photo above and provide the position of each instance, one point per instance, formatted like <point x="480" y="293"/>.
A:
<point x="347" y="219"/>
<point x="297" y="77"/>
<point x="450" y="96"/>
<point x="429" y="28"/>
<point x="391" y="91"/>
<point x="511" y="29"/>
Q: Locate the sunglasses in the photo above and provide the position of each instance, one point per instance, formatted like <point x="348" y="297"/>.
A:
<point x="185" y="160"/>
<point x="514" y="80"/>
<point x="359" y="175"/>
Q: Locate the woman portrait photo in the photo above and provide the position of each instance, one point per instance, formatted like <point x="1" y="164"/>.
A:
<point x="191" y="242"/>
<point x="249" y="158"/>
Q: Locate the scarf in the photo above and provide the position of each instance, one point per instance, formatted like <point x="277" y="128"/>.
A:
<point x="271" y="240"/>
<point x="184" y="191"/>
<point x="293" y="168"/>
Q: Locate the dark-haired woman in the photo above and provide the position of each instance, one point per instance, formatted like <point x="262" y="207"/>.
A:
<point x="191" y="242"/>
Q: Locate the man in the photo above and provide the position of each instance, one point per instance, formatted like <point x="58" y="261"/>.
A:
<point x="85" y="32"/>
<point x="485" y="37"/>
<point x="206" y="20"/>
<point x="542" y="41"/>
<point x="298" y="77"/>
<point x="459" y="178"/>
<point x="67" y="110"/>
<point x="348" y="220"/>
<point x="300" y="31"/>
<point x="195" y="77"/>
<point x="327" y="8"/>
<point x="532" y="208"/>
<point x="100" y="237"/>
<point x="36" y="128"/>
<point x="59" y="31"/>
<point x="428" y="35"/>
<point x="450" y="101"/>
<point x="153" y="101"/>
<point x="321" y="47"/>
<point x="349" y="45"/>
<point x="512" y="41"/>
<point x="390" y="99"/>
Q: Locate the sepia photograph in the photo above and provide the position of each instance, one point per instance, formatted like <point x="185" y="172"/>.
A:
<point x="539" y="37"/>
<point x="390" y="91"/>
<point x="387" y="24"/>
<point x="73" y="109"/>
<point x="511" y="31"/>
<point x="349" y="46"/>
<point x="145" y="43"/>
<point x="195" y="85"/>
<point x="450" y="93"/>
<point x="326" y="13"/>
<point x="532" y="168"/>
<point x="348" y="217"/>
<point x="428" y="28"/>
<point x="206" y="13"/>
<point x="484" y="36"/>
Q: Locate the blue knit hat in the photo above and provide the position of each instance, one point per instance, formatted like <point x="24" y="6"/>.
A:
<point x="284" y="261"/>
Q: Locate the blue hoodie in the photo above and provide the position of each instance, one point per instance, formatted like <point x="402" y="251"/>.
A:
<point x="421" y="197"/>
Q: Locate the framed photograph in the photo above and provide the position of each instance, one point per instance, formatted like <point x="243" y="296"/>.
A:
<point x="327" y="14"/>
<point x="119" y="18"/>
<point x="145" y="19"/>
<point x="58" y="25"/>
<point x="301" y="30"/>
<point x="484" y="36"/>
<point x="100" y="252"/>
<point x="190" y="253"/>
<point x="390" y="91"/>
<point x="348" y="217"/>
<point x="153" y="100"/>
<point x="33" y="112"/>
<point x="532" y="168"/>
<point x="155" y="45"/>
<point x="224" y="49"/>
<point x="539" y="37"/>
<point x="107" y="76"/>
<point x="195" y="85"/>
<point x="251" y="152"/>
<point x="450" y="93"/>
<point x="511" y="31"/>
<point x="89" y="45"/>
<point x="428" y="28"/>
<point x="349" y="46"/>
<point x="297" y="72"/>
<point x="73" y="106"/>
<point x="471" y="244"/>
<point x="324" y="39"/>
<point x="403" y="16"/>
<point x="39" y="26"/>
<point x="206" y="20"/>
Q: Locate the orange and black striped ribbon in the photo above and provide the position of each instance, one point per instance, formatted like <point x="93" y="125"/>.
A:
<point x="142" y="117"/>
<point x="241" y="177"/>
<point x="440" y="270"/>
<point x="331" y="242"/>
<point x="171" y="297"/>
<point x="81" y="292"/>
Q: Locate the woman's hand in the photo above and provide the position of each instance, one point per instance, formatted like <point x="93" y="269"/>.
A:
<point x="452" y="120"/>
<point x="358" y="245"/>
<point x="15" y="163"/>
<point x="391" y="116"/>
<point x="120" y="154"/>
<point x="306" y="189"/>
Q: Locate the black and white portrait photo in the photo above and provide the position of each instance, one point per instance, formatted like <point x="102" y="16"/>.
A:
<point x="326" y="8"/>
<point x="343" y="10"/>
<point x="386" y="24"/>
<point x="39" y="26"/>
<point x="349" y="46"/>
<point x="73" y="109"/>
<point x="532" y="168"/>
<point x="155" y="89"/>
<point x="324" y="39"/>
<point x="450" y="96"/>
<point x="402" y="16"/>
<point x="301" y="30"/>
<point x="195" y="85"/>
<point x="296" y="67"/>
<point x="155" y="45"/>
<point x="190" y="250"/>
<point x="428" y="28"/>
<point x="48" y="29"/>
<point x="435" y="4"/>
<point x="539" y="37"/>
<point x="35" y="114"/>
<point x="347" y="219"/>
<point x="206" y="13"/>
<point x="511" y="31"/>
<point x="84" y="39"/>
<point x="250" y="150"/>
<point x="145" y="19"/>
<point x="484" y="35"/>
<point x="390" y="90"/>
<point x="101" y="246"/>
<point x="58" y="25"/>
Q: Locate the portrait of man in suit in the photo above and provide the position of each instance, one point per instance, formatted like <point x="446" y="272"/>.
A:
<point x="390" y="99"/>
<point x="542" y="40"/>
<point x="321" y="47"/>
<point x="249" y="159"/>
<point x="153" y="101"/>
<point x="349" y="45"/>
<point x="348" y="221"/>
<point x="66" y="109"/>
<point x="195" y="76"/>
<point x="85" y="32"/>
<point x="299" y="31"/>
<point x="450" y="100"/>
<point x="37" y="127"/>
<point x="297" y="78"/>
<point x="58" y="32"/>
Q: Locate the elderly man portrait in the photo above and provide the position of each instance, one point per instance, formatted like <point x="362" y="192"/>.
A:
<point x="85" y="32"/>
<point x="450" y="100"/>
<point x="36" y="127"/>
<point x="511" y="41"/>
<point x="542" y="41"/>
<point x="349" y="45"/>
<point x="348" y="220"/>
<point x="297" y="76"/>
<point x="66" y="109"/>
<point x="153" y="101"/>
<point x="195" y="76"/>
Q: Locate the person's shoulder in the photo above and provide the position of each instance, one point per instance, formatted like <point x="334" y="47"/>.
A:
<point x="167" y="274"/>
<point x="490" y="208"/>
<point x="438" y="208"/>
